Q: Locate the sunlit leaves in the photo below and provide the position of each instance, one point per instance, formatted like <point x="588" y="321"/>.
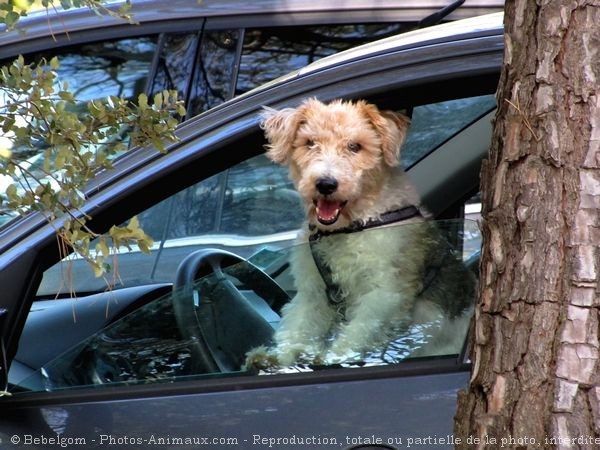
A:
<point x="55" y="146"/>
<point x="11" y="11"/>
<point x="119" y="237"/>
<point x="129" y="234"/>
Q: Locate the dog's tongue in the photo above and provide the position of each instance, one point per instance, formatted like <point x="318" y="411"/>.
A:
<point x="328" y="211"/>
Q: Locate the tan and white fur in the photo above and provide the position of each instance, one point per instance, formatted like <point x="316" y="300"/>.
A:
<point x="343" y="158"/>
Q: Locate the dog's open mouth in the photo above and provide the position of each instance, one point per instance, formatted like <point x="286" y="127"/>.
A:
<point x="328" y="211"/>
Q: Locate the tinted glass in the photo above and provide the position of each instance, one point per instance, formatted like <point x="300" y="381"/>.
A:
<point x="175" y="64"/>
<point x="260" y="199"/>
<point x="191" y="212"/>
<point x="234" y="312"/>
<point x="215" y="70"/>
<point x="244" y="208"/>
<point x="435" y="123"/>
<point x="269" y="53"/>
<point x="119" y="68"/>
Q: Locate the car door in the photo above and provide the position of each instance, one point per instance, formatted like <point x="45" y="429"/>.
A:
<point x="408" y="398"/>
<point x="153" y="349"/>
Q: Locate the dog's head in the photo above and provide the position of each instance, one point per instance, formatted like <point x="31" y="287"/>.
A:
<point x="339" y="154"/>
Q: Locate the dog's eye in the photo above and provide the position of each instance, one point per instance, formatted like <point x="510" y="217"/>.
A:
<point x="310" y="143"/>
<point x="354" y="147"/>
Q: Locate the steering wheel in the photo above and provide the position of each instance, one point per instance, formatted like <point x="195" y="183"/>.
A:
<point x="215" y="315"/>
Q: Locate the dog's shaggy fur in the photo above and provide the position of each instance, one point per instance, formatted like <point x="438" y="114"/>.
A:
<point x="343" y="158"/>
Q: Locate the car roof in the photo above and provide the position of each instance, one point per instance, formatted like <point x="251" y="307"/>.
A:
<point x="54" y="26"/>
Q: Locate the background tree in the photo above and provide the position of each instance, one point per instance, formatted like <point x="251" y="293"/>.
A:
<point x="535" y="377"/>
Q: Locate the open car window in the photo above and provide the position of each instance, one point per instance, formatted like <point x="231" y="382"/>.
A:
<point x="247" y="206"/>
<point x="223" y="307"/>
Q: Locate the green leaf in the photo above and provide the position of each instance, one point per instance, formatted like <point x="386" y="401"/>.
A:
<point x="66" y="96"/>
<point x="98" y="268"/>
<point x="11" y="18"/>
<point x="11" y="192"/>
<point x="158" y="100"/>
<point x="54" y="64"/>
<point x="102" y="248"/>
<point x="143" y="101"/>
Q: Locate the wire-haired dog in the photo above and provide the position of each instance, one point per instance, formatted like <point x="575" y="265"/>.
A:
<point x="355" y="291"/>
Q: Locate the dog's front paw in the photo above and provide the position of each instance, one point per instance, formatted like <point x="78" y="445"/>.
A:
<point x="260" y="358"/>
<point x="343" y="349"/>
<point x="290" y="354"/>
<point x="270" y="359"/>
<point x="338" y="356"/>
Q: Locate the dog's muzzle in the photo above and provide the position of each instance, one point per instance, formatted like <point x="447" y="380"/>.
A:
<point x="328" y="209"/>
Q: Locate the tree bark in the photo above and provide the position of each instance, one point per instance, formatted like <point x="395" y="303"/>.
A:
<point x="535" y="380"/>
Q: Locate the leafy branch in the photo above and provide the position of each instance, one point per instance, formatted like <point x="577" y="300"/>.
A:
<point x="51" y="146"/>
<point x="12" y="11"/>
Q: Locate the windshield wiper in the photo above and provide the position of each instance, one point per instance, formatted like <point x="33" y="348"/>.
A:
<point x="438" y="16"/>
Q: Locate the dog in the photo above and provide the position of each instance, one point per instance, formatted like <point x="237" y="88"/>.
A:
<point x="361" y="281"/>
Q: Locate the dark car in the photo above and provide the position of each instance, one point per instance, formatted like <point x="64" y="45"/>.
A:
<point x="158" y="357"/>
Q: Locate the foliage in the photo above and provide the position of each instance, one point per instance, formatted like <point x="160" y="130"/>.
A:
<point x="38" y="115"/>
<point x="11" y="11"/>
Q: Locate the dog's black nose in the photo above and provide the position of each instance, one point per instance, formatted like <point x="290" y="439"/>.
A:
<point x="326" y="185"/>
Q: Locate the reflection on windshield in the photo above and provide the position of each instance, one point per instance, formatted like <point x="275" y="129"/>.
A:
<point x="118" y="68"/>
<point x="224" y="308"/>
<point x="269" y="53"/>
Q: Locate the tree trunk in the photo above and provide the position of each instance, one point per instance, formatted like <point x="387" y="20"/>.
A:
<point x="535" y="380"/>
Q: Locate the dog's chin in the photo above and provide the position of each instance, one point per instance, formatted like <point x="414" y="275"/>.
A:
<point x="328" y="212"/>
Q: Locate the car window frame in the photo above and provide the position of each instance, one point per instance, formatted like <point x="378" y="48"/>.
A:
<point x="237" y="118"/>
<point x="53" y="285"/>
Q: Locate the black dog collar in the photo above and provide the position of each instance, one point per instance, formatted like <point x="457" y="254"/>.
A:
<point x="397" y="215"/>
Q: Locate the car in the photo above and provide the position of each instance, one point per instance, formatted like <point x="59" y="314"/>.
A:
<point x="207" y="51"/>
<point x="157" y="357"/>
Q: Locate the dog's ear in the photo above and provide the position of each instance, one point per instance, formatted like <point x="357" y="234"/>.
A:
<point x="280" y="130"/>
<point x="400" y="123"/>
<point x="392" y="128"/>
